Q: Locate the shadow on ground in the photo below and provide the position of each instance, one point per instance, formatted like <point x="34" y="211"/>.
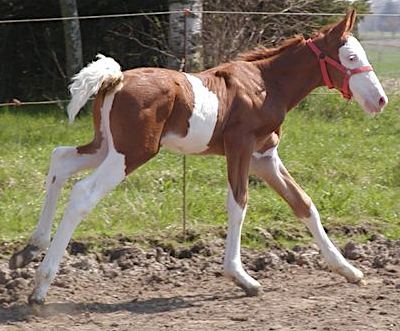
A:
<point x="23" y="312"/>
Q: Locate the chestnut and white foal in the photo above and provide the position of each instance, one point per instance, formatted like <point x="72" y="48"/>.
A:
<point x="235" y="109"/>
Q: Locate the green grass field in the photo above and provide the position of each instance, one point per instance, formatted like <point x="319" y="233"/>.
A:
<point x="386" y="62"/>
<point x="347" y="161"/>
<point x="383" y="53"/>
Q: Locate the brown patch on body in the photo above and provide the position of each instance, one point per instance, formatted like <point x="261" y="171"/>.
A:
<point x="254" y="95"/>
<point x="150" y="104"/>
<point x="95" y="145"/>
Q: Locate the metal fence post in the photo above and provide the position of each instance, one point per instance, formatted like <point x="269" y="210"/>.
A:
<point x="186" y="12"/>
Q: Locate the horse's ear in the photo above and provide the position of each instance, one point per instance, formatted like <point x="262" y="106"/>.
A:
<point x="351" y="19"/>
<point x="345" y="25"/>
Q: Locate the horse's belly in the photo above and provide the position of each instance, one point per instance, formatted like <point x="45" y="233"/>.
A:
<point x="201" y="123"/>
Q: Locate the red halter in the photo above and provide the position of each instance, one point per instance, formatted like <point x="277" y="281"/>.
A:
<point x="323" y="59"/>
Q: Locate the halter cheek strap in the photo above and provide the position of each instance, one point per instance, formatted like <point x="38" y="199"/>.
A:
<point x="324" y="59"/>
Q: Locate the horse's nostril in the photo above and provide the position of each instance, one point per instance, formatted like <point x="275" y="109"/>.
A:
<point x="382" y="102"/>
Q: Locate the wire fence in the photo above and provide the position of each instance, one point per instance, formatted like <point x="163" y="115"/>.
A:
<point x="376" y="45"/>
<point x="375" y="42"/>
<point x="88" y="17"/>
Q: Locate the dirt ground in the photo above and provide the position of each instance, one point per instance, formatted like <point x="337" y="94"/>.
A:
<point x="131" y="288"/>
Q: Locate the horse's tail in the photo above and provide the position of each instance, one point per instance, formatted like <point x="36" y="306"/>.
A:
<point x="104" y="75"/>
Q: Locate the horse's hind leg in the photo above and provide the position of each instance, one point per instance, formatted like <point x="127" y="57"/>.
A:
<point x="84" y="196"/>
<point x="270" y="168"/>
<point x="125" y="153"/>
<point x="65" y="161"/>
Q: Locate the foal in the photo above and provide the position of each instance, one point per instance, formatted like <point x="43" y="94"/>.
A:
<point x="235" y="109"/>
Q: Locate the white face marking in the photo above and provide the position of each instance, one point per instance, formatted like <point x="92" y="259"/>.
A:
<point x="365" y="86"/>
<point x="201" y="123"/>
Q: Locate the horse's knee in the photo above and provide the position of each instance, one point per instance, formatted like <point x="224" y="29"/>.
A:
<point x="301" y="206"/>
<point x="62" y="152"/>
<point x="58" y="166"/>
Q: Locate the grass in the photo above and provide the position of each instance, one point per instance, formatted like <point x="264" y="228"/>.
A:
<point x="386" y="61"/>
<point x="347" y="161"/>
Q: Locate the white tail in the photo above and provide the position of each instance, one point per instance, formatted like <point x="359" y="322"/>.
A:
<point x="89" y="80"/>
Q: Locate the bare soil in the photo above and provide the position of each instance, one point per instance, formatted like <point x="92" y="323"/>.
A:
<point x="131" y="288"/>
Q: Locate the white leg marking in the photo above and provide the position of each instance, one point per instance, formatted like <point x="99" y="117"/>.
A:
<point x="65" y="161"/>
<point x="232" y="263"/>
<point x="334" y="258"/>
<point x="201" y="123"/>
<point x="84" y="196"/>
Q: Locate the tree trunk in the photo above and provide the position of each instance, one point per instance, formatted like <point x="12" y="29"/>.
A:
<point x="193" y="34"/>
<point x="72" y="36"/>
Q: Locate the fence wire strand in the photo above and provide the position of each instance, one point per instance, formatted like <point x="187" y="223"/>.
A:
<point x="54" y="19"/>
<point x="16" y="102"/>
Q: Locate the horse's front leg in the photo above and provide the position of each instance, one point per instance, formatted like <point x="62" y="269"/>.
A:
<point x="269" y="167"/>
<point x="65" y="161"/>
<point x="238" y="159"/>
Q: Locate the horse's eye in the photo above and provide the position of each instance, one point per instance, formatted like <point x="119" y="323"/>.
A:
<point x="353" y="58"/>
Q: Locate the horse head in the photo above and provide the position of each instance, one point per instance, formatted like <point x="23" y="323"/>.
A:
<point x="345" y="66"/>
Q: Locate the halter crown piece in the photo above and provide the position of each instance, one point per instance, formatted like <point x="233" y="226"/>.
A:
<point x="324" y="59"/>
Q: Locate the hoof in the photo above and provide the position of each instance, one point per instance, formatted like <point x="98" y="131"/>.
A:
<point x="358" y="280"/>
<point x="22" y="258"/>
<point x="252" y="291"/>
<point x="35" y="302"/>
<point x="362" y="283"/>
<point x="352" y="274"/>
<point x="357" y="277"/>
<point x="249" y="285"/>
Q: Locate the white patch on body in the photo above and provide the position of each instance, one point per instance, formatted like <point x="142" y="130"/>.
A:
<point x="201" y="123"/>
<point x="365" y="86"/>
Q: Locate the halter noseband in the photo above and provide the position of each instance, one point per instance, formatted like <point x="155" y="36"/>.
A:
<point x="324" y="59"/>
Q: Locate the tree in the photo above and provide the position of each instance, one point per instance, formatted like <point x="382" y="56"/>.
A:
<point x="72" y="37"/>
<point x="193" y="33"/>
<point x="228" y="35"/>
<point x="34" y="56"/>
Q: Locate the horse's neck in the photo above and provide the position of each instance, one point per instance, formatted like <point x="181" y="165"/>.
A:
<point x="294" y="76"/>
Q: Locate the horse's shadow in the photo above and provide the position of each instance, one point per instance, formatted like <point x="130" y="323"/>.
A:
<point x="23" y="312"/>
